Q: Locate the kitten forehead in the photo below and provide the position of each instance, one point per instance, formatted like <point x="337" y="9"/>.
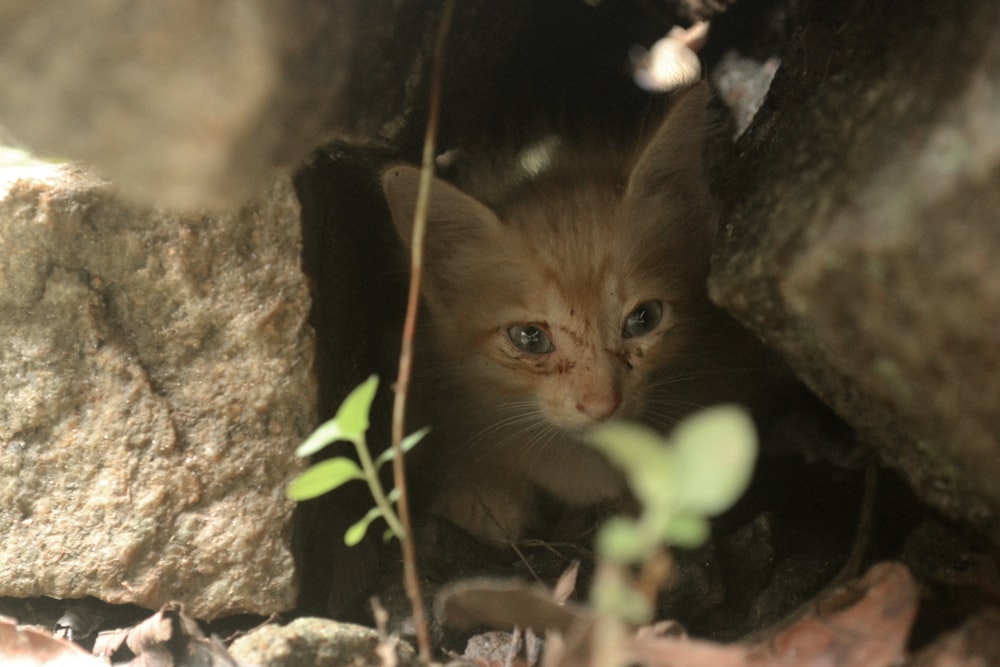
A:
<point x="583" y="250"/>
<point x="586" y="303"/>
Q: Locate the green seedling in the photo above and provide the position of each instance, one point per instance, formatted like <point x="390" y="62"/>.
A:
<point x="350" y="424"/>
<point x="680" y="481"/>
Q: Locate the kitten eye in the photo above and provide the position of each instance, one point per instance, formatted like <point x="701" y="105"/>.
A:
<point x="529" y="338"/>
<point x="643" y="319"/>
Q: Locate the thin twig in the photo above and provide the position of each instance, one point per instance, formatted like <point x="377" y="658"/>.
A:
<point x="863" y="534"/>
<point x="410" y="579"/>
<point x="525" y="561"/>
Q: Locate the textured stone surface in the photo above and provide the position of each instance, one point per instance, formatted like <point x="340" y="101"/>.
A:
<point x="199" y="103"/>
<point x="317" y="642"/>
<point x="156" y="379"/>
<point x="863" y="241"/>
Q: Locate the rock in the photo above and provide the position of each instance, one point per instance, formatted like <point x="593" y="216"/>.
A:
<point x="495" y="647"/>
<point x="861" y="236"/>
<point x="196" y="104"/>
<point x="742" y="83"/>
<point x="317" y="642"/>
<point x="157" y="377"/>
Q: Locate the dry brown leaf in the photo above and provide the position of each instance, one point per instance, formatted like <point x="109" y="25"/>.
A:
<point x="975" y="643"/>
<point x="168" y="638"/>
<point x="504" y="604"/>
<point x="110" y="642"/>
<point x="865" y="623"/>
<point x="862" y="624"/>
<point x="567" y="583"/>
<point x="28" y="647"/>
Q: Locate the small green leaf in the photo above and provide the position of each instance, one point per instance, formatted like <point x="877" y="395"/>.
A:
<point x="387" y="536"/>
<point x="622" y="541"/>
<point x="647" y="459"/>
<point x="409" y="442"/>
<point x="353" y="413"/>
<point x="394" y="495"/>
<point x="350" y="422"/>
<point x="356" y="533"/>
<point x="716" y="449"/>
<point x="322" y="477"/>
<point x="686" y="530"/>
<point x="627" y="444"/>
<point x="385" y="457"/>
<point x="327" y="433"/>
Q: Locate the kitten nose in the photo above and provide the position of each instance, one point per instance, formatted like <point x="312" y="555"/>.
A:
<point x="599" y="406"/>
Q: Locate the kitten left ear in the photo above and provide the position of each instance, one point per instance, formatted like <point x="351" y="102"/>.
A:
<point x="458" y="229"/>
<point x="674" y="155"/>
<point x="453" y="217"/>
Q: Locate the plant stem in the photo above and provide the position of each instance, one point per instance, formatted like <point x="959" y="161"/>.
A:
<point x="608" y="647"/>
<point x="410" y="578"/>
<point x="378" y="493"/>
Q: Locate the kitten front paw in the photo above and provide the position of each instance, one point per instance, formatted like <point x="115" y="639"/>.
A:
<point x="489" y="513"/>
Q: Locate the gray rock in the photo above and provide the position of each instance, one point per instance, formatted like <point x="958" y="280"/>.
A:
<point x="221" y="95"/>
<point x="156" y="379"/>
<point x="862" y="241"/>
<point x="317" y="642"/>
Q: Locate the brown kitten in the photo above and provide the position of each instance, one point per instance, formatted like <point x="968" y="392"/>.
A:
<point x="577" y="297"/>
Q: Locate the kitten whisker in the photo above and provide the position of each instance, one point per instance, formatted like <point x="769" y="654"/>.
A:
<point x="510" y="429"/>
<point x="521" y="417"/>
<point x="533" y="437"/>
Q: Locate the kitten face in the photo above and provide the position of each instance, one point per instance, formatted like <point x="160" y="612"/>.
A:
<point x="568" y="311"/>
<point x="577" y="298"/>
<point x="574" y="293"/>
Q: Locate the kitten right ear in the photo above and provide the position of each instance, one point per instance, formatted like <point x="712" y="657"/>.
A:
<point x="674" y="154"/>
<point x="453" y="217"/>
